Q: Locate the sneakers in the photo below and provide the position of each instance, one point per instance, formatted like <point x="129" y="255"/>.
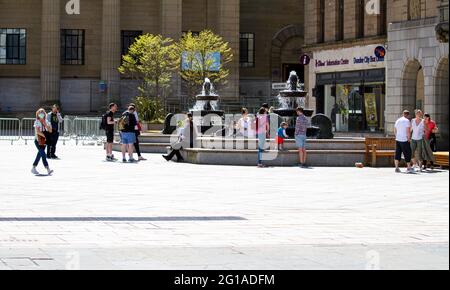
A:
<point x="397" y="170"/>
<point x="34" y="171"/>
<point x="124" y="160"/>
<point x="166" y="157"/>
<point x="49" y="171"/>
<point x="142" y="158"/>
<point x="132" y="160"/>
<point x="411" y="171"/>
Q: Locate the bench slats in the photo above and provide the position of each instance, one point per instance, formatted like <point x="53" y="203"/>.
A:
<point x="379" y="147"/>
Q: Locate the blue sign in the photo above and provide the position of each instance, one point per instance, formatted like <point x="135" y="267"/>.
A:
<point x="191" y="61"/>
<point x="305" y="59"/>
<point x="380" y="52"/>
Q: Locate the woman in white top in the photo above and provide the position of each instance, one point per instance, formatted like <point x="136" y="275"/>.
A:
<point x="417" y="138"/>
<point x="245" y="125"/>
<point x="41" y="125"/>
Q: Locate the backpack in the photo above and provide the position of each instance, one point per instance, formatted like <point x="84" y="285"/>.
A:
<point x="124" y="121"/>
<point x="104" y="123"/>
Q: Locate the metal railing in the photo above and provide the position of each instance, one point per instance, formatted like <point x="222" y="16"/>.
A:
<point x="10" y="130"/>
<point x="73" y="128"/>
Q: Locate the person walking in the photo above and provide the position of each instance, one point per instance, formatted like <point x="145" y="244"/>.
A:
<point x="40" y="127"/>
<point x="417" y="139"/>
<point x="431" y="129"/>
<point x="137" y="131"/>
<point x="55" y="119"/>
<point x="127" y="125"/>
<point x="262" y="129"/>
<point x="108" y="124"/>
<point x="301" y="130"/>
<point x="403" y="142"/>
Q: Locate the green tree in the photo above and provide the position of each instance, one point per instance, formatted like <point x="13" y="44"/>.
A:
<point x="197" y="51"/>
<point x="151" y="60"/>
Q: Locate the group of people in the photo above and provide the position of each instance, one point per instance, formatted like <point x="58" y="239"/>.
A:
<point x="46" y="130"/>
<point x="416" y="141"/>
<point x="259" y="128"/>
<point x="129" y="130"/>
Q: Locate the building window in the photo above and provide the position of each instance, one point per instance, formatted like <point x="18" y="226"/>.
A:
<point x="247" y="50"/>
<point x="382" y="27"/>
<point x="321" y="20"/>
<point x="13" y="46"/>
<point x="340" y="20"/>
<point x="414" y="9"/>
<point x="72" y="46"/>
<point x="128" y="38"/>
<point x="360" y="18"/>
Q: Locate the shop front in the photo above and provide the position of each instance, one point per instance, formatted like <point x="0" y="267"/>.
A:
<point x="350" y="88"/>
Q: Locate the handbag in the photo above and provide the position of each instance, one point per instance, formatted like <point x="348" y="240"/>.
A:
<point x="41" y="140"/>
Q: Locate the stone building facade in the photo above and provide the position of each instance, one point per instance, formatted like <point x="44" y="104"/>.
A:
<point x="51" y="56"/>
<point x="418" y="64"/>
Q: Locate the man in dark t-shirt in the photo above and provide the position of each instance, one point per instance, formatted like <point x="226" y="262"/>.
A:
<point x="110" y="131"/>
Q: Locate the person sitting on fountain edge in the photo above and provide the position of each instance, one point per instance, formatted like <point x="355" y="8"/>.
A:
<point x="187" y="133"/>
<point x="281" y="135"/>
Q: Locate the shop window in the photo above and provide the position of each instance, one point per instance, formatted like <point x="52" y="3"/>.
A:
<point x="13" y="46"/>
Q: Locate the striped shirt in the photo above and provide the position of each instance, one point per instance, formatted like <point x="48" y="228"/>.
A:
<point x="301" y="126"/>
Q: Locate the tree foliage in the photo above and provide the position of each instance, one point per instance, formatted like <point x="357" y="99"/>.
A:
<point x="151" y="60"/>
<point x="197" y="51"/>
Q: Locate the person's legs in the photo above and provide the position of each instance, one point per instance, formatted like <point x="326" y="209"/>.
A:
<point x="38" y="155"/>
<point x="261" y="144"/>
<point x="124" y="151"/>
<point x="179" y="156"/>
<point x="408" y="154"/>
<point x="413" y="152"/>
<point x="130" y="151"/>
<point x="398" y="156"/>
<point x="136" y="144"/>
<point x="55" y="138"/>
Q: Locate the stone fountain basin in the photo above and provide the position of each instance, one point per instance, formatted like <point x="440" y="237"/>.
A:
<point x="293" y="113"/>
<point x="293" y="94"/>
<point x="207" y="98"/>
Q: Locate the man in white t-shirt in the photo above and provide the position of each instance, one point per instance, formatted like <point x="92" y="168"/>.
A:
<point x="403" y="138"/>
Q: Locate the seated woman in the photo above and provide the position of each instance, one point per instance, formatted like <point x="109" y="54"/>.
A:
<point x="186" y="133"/>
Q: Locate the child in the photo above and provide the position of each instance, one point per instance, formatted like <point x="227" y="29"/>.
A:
<point x="281" y="135"/>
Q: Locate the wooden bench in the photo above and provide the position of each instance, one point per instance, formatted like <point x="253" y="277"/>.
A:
<point x="379" y="147"/>
<point x="441" y="159"/>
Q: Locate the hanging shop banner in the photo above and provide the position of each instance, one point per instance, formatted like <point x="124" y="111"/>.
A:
<point x="371" y="110"/>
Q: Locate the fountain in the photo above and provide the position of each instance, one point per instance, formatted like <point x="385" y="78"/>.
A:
<point x="290" y="100"/>
<point x="206" y="109"/>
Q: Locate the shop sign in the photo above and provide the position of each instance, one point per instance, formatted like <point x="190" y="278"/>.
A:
<point x="354" y="58"/>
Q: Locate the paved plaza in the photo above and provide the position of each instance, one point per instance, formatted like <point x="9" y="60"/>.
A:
<point x="156" y="215"/>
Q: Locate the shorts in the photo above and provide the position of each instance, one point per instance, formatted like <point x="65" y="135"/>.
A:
<point x="300" y="140"/>
<point x="279" y="140"/>
<point x="417" y="149"/>
<point x="128" y="138"/>
<point x="109" y="136"/>
<point x="405" y="148"/>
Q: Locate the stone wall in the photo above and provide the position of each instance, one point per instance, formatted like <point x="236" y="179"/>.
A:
<point x="412" y="45"/>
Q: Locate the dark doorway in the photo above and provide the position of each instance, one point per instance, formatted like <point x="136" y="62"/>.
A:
<point x="299" y="68"/>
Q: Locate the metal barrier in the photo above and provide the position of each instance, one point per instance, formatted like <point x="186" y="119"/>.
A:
<point x="88" y="129"/>
<point x="73" y="128"/>
<point x="10" y="130"/>
<point x="27" y="131"/>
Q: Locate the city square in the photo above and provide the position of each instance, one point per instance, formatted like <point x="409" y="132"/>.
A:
<point x="297" y="135"/>
<point x="156" y="215"/>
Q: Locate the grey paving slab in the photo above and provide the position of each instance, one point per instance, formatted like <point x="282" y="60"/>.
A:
<point x="156" y="215"/>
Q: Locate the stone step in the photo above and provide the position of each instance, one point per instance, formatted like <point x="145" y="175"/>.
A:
<point x="316" y="158"/>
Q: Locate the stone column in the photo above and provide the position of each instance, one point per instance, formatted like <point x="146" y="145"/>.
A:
<point x="50" y="52"/>
<point x="111" y="45"/>
<point x="172" y="26"/>
<point x="229" y="28"/>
